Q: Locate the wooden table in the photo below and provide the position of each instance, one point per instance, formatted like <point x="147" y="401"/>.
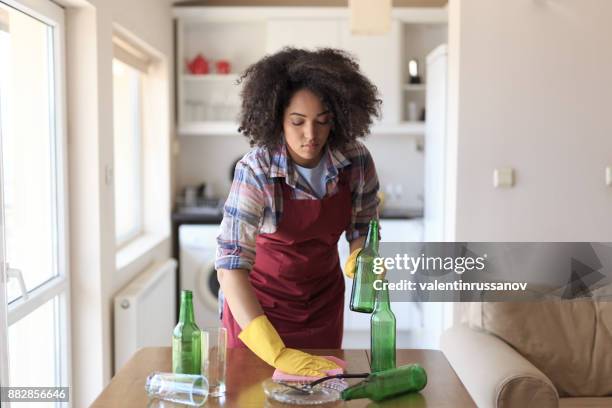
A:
<point x="245" y="372"/>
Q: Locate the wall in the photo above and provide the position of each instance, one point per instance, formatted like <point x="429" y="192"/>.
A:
<point x="94" y="276"/>
<point x="530" y="88"/>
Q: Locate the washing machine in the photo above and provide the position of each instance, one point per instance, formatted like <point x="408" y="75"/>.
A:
<point x="197" y="244"/>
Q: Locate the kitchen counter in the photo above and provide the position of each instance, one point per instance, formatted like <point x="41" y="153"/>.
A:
<point x="245" y="372"/>
<point x="395" y="229"/>
<point x="209" y="215"/>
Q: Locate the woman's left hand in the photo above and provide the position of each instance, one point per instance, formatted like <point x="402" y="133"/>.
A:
<point x="351" y="264"/>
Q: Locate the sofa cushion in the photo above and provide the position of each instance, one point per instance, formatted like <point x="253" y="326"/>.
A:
<point x="569" y="341"/>
<point x="585" y="403"/>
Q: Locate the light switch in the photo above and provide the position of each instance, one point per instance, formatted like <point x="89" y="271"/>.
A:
<point x="503" y="177"/>
<point x="609" y="176"/>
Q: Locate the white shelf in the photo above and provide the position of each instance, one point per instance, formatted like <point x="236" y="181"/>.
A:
<point x="211" y="77"/>
<point x="229" y="128"/>
<point x="403" y="128"/>
<point x="218" y="128"/>
<point x="223" y="14"/>
<point x="414" y="87"/>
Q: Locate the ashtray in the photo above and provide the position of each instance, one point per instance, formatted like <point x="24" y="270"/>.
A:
<point x="320" y="394"/>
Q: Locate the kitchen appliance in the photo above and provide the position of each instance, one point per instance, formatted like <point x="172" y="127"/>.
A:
<point x="197" y="246"/>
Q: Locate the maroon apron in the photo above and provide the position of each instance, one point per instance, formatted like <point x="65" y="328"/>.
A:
<point x="297" y="276"/>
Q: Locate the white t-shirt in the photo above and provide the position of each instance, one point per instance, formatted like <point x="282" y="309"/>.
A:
<point x="316" y="177"/>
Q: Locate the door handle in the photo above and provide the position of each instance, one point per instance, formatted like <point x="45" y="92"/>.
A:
<point x="17" y="274"/>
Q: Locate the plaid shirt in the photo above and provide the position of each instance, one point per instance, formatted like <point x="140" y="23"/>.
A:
<point x="255" y="201"/>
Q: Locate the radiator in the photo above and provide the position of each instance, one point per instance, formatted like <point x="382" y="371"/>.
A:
<point x="145" y="311"/>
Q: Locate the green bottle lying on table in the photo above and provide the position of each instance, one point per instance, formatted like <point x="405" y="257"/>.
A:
<point x="389" y="383"/>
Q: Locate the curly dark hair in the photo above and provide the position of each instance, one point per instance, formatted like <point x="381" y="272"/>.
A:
<point x="329" y="73"/>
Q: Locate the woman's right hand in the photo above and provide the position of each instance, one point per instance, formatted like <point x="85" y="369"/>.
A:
<point x="258" y="333"/>
<point x="263" y="340"/>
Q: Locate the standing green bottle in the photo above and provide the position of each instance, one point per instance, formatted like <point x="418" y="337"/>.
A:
<point x="363" y="294"/>
<point x="382" y="332"/>
<point x="186" y="340"/>
<point x="390" y="383"/>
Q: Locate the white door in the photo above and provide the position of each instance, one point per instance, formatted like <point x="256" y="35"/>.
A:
<point x="34" y="281"/>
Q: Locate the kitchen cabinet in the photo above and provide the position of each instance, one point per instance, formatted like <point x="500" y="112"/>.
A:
<point x="209" y="104"/>
<point x="379" y="58"/>
<point x="391" y="230"/>
<point x="378" y="55"/>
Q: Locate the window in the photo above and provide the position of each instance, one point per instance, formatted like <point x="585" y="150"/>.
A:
<point x="127" y="117"/>
<point x="130" y="67"/>
<point x="33" y="197"/>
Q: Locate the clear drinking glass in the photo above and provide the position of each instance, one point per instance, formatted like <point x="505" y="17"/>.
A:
<point x="184" y="389"/>
<point x="214" y="348"/>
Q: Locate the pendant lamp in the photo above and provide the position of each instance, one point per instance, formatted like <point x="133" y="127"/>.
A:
<point x="370" y="17"/>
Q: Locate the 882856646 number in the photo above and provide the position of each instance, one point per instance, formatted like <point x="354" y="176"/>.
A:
<point x="34" y="394"/>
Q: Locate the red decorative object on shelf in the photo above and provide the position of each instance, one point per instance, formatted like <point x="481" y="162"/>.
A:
<point x="223" y="67"/>
<point x="199" y="65"/>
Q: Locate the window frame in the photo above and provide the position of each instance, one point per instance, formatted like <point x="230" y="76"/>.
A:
<point x="58" y="287"/>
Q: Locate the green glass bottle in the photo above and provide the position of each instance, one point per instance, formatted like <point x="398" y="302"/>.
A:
<point x="186" y="339"/>
<point x="389" y="383"/>
<point x="382" y="333"/>
<point x="363" y="293"/>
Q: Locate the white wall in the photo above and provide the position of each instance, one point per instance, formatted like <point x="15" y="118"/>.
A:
<point x="95" y="277"/>
<point x="530" y="88"/>
<point x="207" y="159"/>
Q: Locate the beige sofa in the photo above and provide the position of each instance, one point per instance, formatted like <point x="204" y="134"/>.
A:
<point x="545" y="354"/>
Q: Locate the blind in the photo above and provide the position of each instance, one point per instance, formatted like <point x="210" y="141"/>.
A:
<point x="130" y="53"/>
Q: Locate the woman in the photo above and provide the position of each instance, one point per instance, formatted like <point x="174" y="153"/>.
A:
<point x="307" y="181"/>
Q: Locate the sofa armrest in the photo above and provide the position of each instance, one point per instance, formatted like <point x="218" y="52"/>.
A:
<point x="495" y="375"/>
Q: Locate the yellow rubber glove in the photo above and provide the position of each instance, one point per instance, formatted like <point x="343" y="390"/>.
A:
<point x="263" y="340"/>
<point x="350" y="267"/>
<point x="351" y="264"/>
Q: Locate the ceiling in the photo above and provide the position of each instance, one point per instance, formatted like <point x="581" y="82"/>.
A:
<point x="310" y="3"/>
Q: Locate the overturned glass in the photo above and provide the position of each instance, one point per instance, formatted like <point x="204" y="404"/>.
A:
<point x="187" y="389"/>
